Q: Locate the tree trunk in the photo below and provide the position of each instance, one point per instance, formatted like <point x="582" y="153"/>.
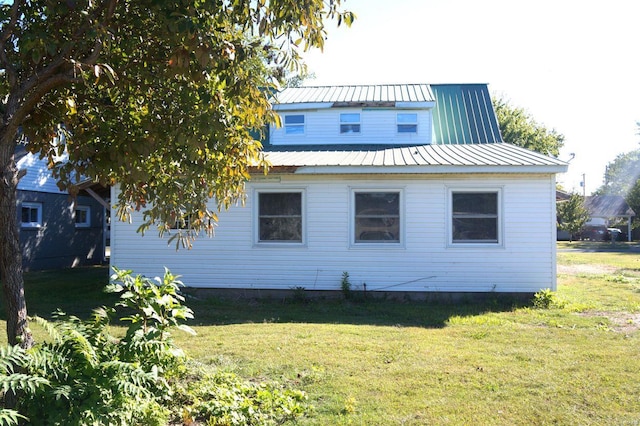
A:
<point x="10" y="251"/>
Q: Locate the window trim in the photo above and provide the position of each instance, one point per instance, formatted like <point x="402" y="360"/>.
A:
<point x="256" y="217"/>
<point x="407" y="123"/>
<point x="31" y="205"/>
<point x="87" y="222"/>
<point x="350" y="123"/>
<point x="288" y="127"/>
<point x="378" y="244"/>
<point x="498" y="190"/>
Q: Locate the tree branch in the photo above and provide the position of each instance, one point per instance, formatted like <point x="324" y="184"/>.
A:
<point x="63" y="57"/>
<point x="25" y="106"/>
<point x="109" y="7"/>
<point x="7" y="32"/>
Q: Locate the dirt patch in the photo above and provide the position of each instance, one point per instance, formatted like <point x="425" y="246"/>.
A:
<point x="622" y="322"/>
<point x="585" y="269"/>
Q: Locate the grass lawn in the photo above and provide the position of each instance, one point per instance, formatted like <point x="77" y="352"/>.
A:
<point x="377" y="362"/>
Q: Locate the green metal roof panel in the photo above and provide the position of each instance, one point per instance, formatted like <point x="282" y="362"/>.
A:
<point x="464" y="115"/>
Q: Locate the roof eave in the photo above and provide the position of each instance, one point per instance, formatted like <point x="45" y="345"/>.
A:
<point x="431" y="169"/>
<point x="309" y="106"/>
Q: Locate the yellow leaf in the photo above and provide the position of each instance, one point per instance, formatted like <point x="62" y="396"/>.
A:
<point x="71" y="104"/>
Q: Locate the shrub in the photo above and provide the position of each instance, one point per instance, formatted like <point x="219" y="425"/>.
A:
<point x="547" y="299"/>
<point x="84" y="375"/>
<point x="345" y="285"/>
<point x="222" y="398"/>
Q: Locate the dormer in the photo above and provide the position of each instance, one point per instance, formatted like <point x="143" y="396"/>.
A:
<point x="397" y="114"/>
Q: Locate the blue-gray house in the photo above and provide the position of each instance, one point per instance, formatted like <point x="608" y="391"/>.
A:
<point x="57" y="231"/>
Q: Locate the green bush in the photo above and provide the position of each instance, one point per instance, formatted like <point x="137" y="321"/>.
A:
<point x="222" y="398"/>
<point x="85" y="376"/>
<point x="345" y="285"/>
<point x="547" y="299"/>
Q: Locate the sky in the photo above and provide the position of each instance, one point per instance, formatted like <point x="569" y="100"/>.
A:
<point x="573" y="66"/>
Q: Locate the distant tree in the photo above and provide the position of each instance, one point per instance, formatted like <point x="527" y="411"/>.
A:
<point x="572" y="214"/>
<point x="298" y="79"/>
<point x="519" y="128"/>
<point x="622" y="177"/>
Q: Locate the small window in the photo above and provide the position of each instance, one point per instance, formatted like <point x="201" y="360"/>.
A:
<point x="294" y="124"/>
<point x="83" y="216"/>
<point x="350" y="123"/>
<point x="377" y="217"/>
<point x="182" y="223"/>
<point x="280" y="217"/>
<point x="474" y="217"/>
<point x="31" y="215"/>
<point x="407" y="123"/>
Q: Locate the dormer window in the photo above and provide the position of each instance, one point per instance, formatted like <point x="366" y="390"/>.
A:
<point x="407" y="122"/>
<point x="350" y="123"/>
<point x="294" y="124"/>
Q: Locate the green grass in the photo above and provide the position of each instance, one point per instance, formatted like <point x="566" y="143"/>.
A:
<point x="382" y="362"/>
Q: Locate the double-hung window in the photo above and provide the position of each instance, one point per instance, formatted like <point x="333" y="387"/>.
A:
<point x="407" y="122"/>
<point x="83" y="216"/>
<point x="294" y="124"/>
<point x="475" y="217"/>
<point x="350" y="123"/>
<point x="376" y="217"/>
<point x="31" y="215"/>
<point x="280" y="217"/>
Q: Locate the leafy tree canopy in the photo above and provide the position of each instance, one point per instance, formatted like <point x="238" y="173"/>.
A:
<point x="159" y="97"/>
<point x="519" y="128"/>
<point x="572" y="214"/>
<point x="622" y="177"/>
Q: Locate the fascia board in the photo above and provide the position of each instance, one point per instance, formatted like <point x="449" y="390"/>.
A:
<point x="302" y="106"/>
<point x="308" y="170"/>
<point x="415" y="105"/>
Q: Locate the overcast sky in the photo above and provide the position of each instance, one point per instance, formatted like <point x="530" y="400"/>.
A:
<point x="572" y="65"/>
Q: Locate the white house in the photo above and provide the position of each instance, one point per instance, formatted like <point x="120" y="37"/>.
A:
<point x="408" y="188"/>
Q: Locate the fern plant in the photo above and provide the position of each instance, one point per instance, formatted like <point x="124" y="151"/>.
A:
<point x="13" y="382"/>
<point x="84" y="375"/>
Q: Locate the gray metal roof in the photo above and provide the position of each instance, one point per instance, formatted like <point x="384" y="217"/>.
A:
<point x="608" y="206"/>
<point x="495" y="155"/>
<point x="381" y="93"/>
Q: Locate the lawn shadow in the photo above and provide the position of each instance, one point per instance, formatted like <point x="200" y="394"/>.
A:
<point x="357" y="311"/>
<point x="75" y="291"/>
<point x="79" y="291"/>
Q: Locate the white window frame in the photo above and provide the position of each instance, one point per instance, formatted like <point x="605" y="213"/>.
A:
<point x="35" y="206"/>
<point x="347" y="123"/>
<point x="383" y="244"/>
<point x="87" y="211"/>
<point x="293" y="129"/>
<point x="499" y="242"/>
<point x="257" y="217"/>
<point x="402" y="123"/>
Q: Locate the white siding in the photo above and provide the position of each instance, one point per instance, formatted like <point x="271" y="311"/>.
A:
<point x="378" y="126"/>
<point x="424" y="261"/>
<point x="38" y="177"/>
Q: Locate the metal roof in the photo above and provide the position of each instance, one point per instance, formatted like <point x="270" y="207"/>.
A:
<point x="608" y="206"/>
<point x="464" y="114"/>
<point x="424" y="157"/>
<point x="380" y="93"/>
